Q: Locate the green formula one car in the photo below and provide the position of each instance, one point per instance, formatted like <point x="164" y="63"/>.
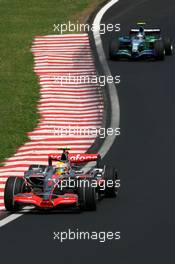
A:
<point x="141" y="43"/>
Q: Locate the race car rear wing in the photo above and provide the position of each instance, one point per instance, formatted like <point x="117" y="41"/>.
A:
<point x="75" y="158"/>
<point x="146" y="31"/>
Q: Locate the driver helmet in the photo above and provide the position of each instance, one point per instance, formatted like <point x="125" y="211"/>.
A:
<point x="140" y="35"/>
<point x="62" y="168"/>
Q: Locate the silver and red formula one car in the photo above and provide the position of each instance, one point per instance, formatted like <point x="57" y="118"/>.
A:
<point x="71" y="182"/>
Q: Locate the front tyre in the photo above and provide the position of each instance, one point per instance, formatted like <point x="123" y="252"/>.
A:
<point x="14" y="185"/>
<point x="99" y="163"/>
<point x="87" y="197"/>
<point x="110" y="176"/>
<point x="113" y="49"/>
<point x="168" y="46"/>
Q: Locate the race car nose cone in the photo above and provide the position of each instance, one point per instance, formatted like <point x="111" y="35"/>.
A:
<point x="46" y="204"/>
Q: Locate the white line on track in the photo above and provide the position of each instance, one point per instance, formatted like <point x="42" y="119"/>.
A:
<point x="13" y="217"/>
<point x="114" y="100"/>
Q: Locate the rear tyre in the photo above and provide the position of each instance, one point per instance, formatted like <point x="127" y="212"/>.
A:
<point x="99" y="163"/>
<point x="113" y="49"/>
<point x="159" y="50"/>
<point x="110" y="176"/>
<point x="87" y="197"/>
<point x="14" y="185"/>
<point x="168" y="46"/>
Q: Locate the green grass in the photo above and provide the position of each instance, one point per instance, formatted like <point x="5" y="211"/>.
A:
<point x="20" y="21"/>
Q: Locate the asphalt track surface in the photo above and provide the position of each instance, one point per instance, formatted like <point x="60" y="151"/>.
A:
<point x="144" y="154"/>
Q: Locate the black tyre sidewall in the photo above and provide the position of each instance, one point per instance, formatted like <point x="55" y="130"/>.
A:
<point x="113" y="48"/>
<point x="87" y="197"/>
<point x="14" y="185"/>
<point x="110" y="174"/>
<point x="167" y="45"/>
